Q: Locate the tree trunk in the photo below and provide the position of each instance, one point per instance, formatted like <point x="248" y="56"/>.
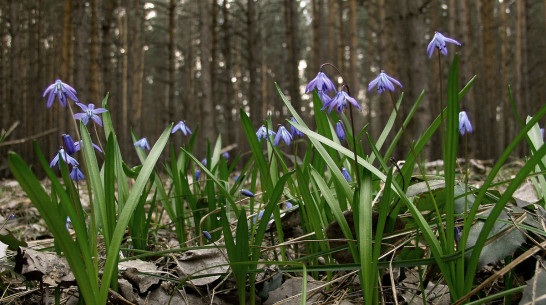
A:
<point x="95" y="80"/>
<point x="252" y="63"/>
<point x="171" y="105"/>
<point x="207" y="119"/>
<point x="291" y="27"/>
<point x="353" y="52"/>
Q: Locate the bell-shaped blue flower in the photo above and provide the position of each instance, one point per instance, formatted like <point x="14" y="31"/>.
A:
<point x="225" y="155"/>
<point x="142" y="143"/>
<point x="383" y="82"/>
<point x="69" y="145"/>
<point x="79" y="145"/>
<point x="263" y="132"/>
<point x="62" y="91"/>
<point x="439" y="42"/>
<point x="182" y="127"/>
<point x="197" y="175"/>
<point x="340" y="131"/>
<point x="340" y="102"/>
<point x="293" y="130"/>
<point x="76" y="174"/>
<point x="346" y="174"/>
<point x="321" y="82"/>
<point x="207" y="235"/>
<point x="89" y="112"/>
<point x="282" y="134"/>
<point x="247" y="193"/>
<point x="66" y="158"/>
<point x="464" y="123"/>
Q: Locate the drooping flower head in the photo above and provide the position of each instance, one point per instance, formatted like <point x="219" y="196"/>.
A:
<point x="182" y="127"/>
<point x="293" y="130"/>
<point x="207" y="235"/>
<point x="340" y="131"/>
<point x="384" y="82"/>
<point x="247" y="193"/>
<point x="69" y="145"/>
<point x="321" y="82"/>
<point x="346" y="174"/>
<point x="263" y="132"/>
<point x="89" y="112"/>
<point x="282" y="134"/>
<point x="66" y="158"/>
<point x="62" y="91"/>
<point x="464" y="123"/>
<point x="439" y="42"/>
<point x="76" y="174"/>
<point x="79" y="145"/>
<point x="340" y="102"/>
<point x="142" y="143"/>
<point x="225" y="155"/>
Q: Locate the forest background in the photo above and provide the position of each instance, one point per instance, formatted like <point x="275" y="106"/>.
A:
<point x="201" y="61"/>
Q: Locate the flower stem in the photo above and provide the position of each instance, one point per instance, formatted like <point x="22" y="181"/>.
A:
<point x="441" y="104"/>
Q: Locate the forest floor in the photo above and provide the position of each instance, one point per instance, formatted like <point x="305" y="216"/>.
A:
<point x="154" y="280"/>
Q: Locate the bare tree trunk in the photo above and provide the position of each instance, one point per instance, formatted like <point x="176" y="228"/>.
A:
<point x="291" y="28"/>
<point x="331" y="32"/>
<point x="505" y="126"/>
<point x="207" y="120"/>
<point x="137" y="65"/>
<point x="341" y="38"/>
<point x="315" y="55"/>
<point x="123" y="24"/>
<point x="252" y="95"/>
<point x="229" y="99"/>
<point x="95" y="80"/>
<point x="170" y="83"/>
<point x="213" y="59"/>
<point x="107" y="83"/>
<point x="353" y="59"/>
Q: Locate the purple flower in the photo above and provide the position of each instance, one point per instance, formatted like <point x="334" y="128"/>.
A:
<point x="182" y="127"/>
<point x="263" y="132"/>
<point x="340" y="102"/>
<point x="321" y="82"/>
<point x="293" y="130"/>
<point x="346" y="175"/>
<point x="439" y="41"/>
<point x="225" y="155"/>
<point x="79" y="145"/>
<point x="143" y="143"/>
<point x="259" y="216"/>
<point x="197" y="174"/>
<point x="283" y="134"/>
<point x="288" y="204"/>
<point x="383" y="82"/>
<point x="247" y="193"/>
<point x="204" y="162"/>
<point x="340" y="131"/>
<point x="207" y="235"/>
<point x="76" y="174"/>
<point x="326" y="100"/>
<point x="11" y="216"/>
<point x="89" y="112"/>
<point x="236" y="178"/>
<point x="66" y="158"/>
<point x="62" y="91"/>
<point x="69" y="145"/>
<point x="464" y="123"/>
<point x="68" y="221"/>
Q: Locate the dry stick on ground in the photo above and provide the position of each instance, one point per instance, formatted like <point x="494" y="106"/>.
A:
<point x="502" y="272"/>
<point x="38" y="135"/>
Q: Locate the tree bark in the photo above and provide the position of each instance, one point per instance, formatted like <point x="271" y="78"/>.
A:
<point x="207" y="119"/>
<point x="291" y="28"/>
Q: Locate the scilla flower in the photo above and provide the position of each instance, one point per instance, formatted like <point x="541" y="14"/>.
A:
<point x="464" y="123"/>
<point x="69" y="145"/>
<point x="293" y="130"/>
<point x="79" y="145"/>
<point x="182" y="127"/>
<point x="68" y="222"/>
<point x="66" y="158"/>
<point x="197" y="174"/>
<point x="263" y="132"/>
<point x="89" y="112"/>
<point x="340" y="102"/>
<point x="340" y="131"/>
<point x="207" y="235"/>
<point x="142" y="143"/>
<point x="76" y="174"/>
<point x="282" y="134"/>
<point x="439" y="42"/>
<point x="247" y="193"/>
<point x="346" y="175"/>
<point x="321" y="82"/>
<point x="383" y="82"/>
<point x="62" y="91"/>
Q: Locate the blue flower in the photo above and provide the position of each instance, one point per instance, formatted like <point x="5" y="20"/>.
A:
<point x="321" y="82"/>
<point x="247" y="193"/>
<point x="326" y="100"/>
<point x="143" y="143"/>
<point x="439" y="42"/>
<point x="182" y="127"/>
<point x="340" y="131"/>
<point x="204" y="162"/>
<point x="76" y="174"/>
<point x="69" y="145"/>
<point x="68" y="221"/>
<point x="11" y="216"/>
<point x="293" y="130"/>
<point x="207" y="235"/>
<point x="464" y="123"/>
<point x="340" y="102"/>
<point x="288" y="204"/>
<point x="283" y="134"/>
<point x="62" y="91"/>
<point x="236" y="178"/>
<point x="263" y="132"/>
<point x="225" y="155"/>
<point x="89" y="112"/>
<point x="345" y="174"/>
<point x="259" y="216"/>
<point x="197" y="174"/>
<point x="79" y="145"/>
<point x="66" y="158"/>
<point x="383" y="82"/>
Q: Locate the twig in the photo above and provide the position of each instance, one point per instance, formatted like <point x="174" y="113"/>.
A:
<point x="20" y="141"/>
